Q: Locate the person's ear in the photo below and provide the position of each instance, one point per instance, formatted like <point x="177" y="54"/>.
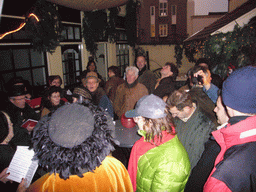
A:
<point x="230" y="111"/>
<point x="11" y="100"/>
<point x="186" y="108"/>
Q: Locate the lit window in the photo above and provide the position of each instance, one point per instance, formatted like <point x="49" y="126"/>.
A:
<point x="152" y="21"/>
<point x="163" y="8"/>
<point x="174" y="14"/>
<point x="163" y="30"/>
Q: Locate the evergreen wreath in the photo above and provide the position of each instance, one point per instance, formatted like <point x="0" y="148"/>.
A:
<point x="45" y="34"/>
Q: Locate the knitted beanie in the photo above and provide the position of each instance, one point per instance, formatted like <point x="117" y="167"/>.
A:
<point x="239" y="90"/>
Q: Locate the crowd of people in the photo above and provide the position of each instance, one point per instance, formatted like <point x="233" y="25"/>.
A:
<point x="198" y="137"/>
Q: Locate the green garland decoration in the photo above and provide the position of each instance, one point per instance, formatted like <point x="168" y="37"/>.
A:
<point x="100" y="26"/>
<point x="131" y="21"/>
<point x="45" y="35"/>
<point x="94" y="25"/>
<point x="178" y="54"/>
<point x="237" y="48"/>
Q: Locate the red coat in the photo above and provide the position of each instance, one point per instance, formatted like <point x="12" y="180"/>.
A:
<point x="234" y="136"/>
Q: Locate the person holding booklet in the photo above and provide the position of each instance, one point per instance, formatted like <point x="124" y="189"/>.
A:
<point x="19" y="112"/>
<point x="6" y="154"/>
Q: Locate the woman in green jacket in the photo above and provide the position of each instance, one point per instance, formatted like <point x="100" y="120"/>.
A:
<point x="158" y="161"/>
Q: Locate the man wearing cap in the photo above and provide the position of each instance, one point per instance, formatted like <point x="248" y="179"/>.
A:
<point x="158" y="161"/>
<point x="19" y="112"/>
<point x="235" y="167"/>
<point x="73" y="145"/>
<point x="99" y="97"/>
<point x="193" y="125"/>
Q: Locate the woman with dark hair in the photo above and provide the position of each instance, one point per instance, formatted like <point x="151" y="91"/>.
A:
<point x="113" y="82"/>
<point x="54" y="80"/>
<point x="91" y="67"/>
<point x="53" y="100"/>
<point x="74" y="144"/>
<point x="158" y="161"/>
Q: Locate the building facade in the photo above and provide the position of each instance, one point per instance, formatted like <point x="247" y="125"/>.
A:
<point x="162" y="22"/>
<point x="69" y="59"/>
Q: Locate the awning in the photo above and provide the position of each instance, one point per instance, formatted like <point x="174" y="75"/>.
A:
<point x="240" y="15"/>
<point x="89" y="5"/>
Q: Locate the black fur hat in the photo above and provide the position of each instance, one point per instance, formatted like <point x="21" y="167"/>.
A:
<point x="73" y="140"/>
<point x="16" y="90"/>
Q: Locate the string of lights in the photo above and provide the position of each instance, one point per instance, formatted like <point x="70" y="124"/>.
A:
<point x="20" y="27"/>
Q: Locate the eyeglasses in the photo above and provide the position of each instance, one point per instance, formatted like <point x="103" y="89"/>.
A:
<point x="23" y="98"/>
<point x="55" y="97"/>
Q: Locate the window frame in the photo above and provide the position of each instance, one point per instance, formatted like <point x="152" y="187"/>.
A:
<point x="163" y="8"/>
<point x="152" y="21"/>
<point x="122" y="58"/>
<point x="14" y="70"/>
<point x="73" y="72"/>
<point x="164" y="28"/>
<point x="174" y="14"/>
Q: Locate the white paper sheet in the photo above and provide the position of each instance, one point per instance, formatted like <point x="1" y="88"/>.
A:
<point x="22" y="165"/>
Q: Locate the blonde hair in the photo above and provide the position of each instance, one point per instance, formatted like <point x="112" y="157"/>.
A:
<point x="154" y="127"/>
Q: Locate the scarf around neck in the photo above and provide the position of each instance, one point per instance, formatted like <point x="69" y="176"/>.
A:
<point x="131" y="85"/>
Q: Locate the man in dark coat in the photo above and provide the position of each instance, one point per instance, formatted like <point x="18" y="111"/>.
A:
<point x="205" y="165"/>
<point x="165" y="85"/>
<point x="192" y="124"/>
<point x="19" y="112"/>
<point x="146" y="77"/>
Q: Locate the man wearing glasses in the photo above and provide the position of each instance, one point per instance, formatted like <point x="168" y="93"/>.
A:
<point x="192" y="124"/>
<point x="19" y="113"/>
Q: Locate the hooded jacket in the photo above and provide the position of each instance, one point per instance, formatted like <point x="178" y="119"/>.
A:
<point x="235" y="166"/>
<point x="164" y="167"/>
